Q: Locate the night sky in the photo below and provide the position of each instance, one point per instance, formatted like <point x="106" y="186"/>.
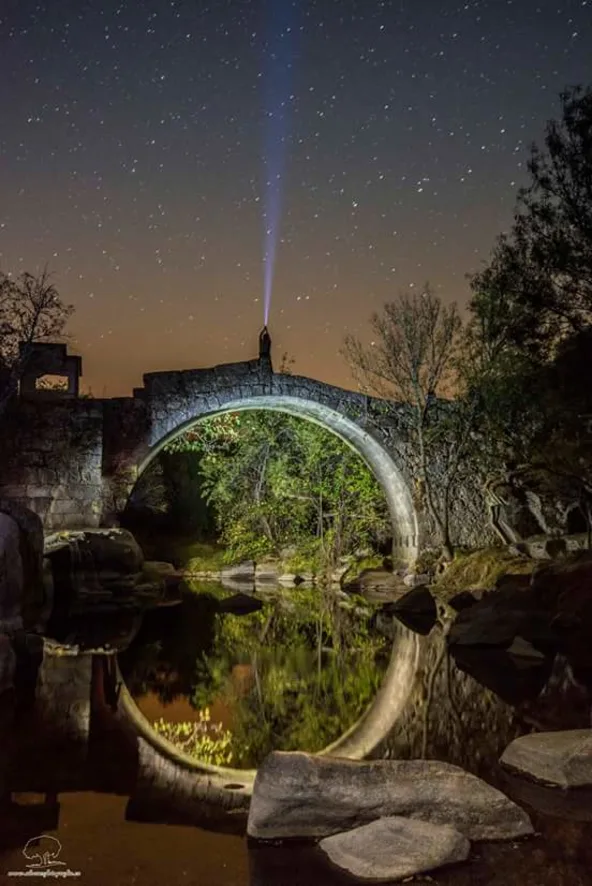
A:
<point x="137" y="138"/>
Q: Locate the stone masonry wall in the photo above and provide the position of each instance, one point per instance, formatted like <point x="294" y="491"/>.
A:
<point x="51" y="460"/>
<point x="75" y="461"/>
<point x="174" y="398"/>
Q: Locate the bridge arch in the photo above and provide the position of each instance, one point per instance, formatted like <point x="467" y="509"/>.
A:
<point x="179" y="406"/>
<point x="374" y="454"/>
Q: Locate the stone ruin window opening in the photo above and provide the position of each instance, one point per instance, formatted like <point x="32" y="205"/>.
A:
<point x="52" y="382"/>
<point x="49" y="371"/>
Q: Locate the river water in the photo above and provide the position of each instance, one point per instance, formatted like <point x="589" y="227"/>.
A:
<point x="295" y="674"/>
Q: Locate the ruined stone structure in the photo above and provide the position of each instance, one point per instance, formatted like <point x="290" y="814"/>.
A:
<point x="74" y="461"/>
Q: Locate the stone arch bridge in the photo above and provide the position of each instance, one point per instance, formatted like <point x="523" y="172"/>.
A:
<point x="75" y="460"/>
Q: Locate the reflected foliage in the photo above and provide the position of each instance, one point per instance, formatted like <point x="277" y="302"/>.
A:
<point x="295" y="675"/>
<point x="200" y="738"/>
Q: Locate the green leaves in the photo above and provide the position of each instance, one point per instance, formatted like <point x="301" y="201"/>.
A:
<point x="207" y="741"/>
<point x="275" y="480"/>
<point x="540" y="273"/>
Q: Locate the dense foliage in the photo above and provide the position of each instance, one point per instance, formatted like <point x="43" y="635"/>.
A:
<point x="539" y="278"/>
<point x="519" y="369"/>
<point x="295" y="675"/>
<point x="415" y="359"/>
<point x="531" y="316"/>
<point x="274" y="480"/>
<point x="200" y="738"/>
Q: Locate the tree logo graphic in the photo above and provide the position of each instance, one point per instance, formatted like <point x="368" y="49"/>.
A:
<point x="43" y="851"/>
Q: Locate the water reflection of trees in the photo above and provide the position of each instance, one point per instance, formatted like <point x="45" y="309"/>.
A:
<point x="296" y="674"/>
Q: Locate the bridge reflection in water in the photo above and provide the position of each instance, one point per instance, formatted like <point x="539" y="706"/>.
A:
<point x="79" y="761"/>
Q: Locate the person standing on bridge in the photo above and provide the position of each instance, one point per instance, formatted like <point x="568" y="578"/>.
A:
<point x="264" y="344"/>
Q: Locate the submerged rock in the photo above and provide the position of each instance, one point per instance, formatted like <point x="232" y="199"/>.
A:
<point x="244" y="571"/>
<point x="561" y="759"/>
<point x="21" y="578"/>
<point x="416" y="581"/>
<point x="512" y="677"/>
<point x="462" y="600"/>
<point x="303" y="795"/>
<point x="94" y="560"/>
<point x="7" y="663"/>
<point x="11" y="575"/>
<point x="573" y="805"/>
<point x="416" y="610"/>
<point x="395" y="847"/>
<point x="485" y="626"/>
<point x="240" y="604"/>
<point x="268" y="571"/>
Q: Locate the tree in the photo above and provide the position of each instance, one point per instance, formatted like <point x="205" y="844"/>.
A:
<point x="415" y="359"/>
<point x="532" y="318"/>
<point x="31" y="310"/>
<point x="540" y="273"/>
<point x="275" y="480"/>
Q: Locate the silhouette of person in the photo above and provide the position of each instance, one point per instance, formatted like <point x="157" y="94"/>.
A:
<point x="264" y="343"/>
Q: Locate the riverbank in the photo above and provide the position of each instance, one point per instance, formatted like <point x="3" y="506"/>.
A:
<point x="294" y="566"/>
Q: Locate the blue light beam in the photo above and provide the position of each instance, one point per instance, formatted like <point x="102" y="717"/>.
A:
<point x="279" y="55"/>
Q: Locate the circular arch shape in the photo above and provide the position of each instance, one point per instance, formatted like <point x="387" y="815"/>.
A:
<point x="228" y="787"/>
<point x="376" y="722"/>
<point x="378" y="460"/>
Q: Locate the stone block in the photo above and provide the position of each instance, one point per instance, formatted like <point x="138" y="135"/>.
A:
<point x="34" y="491"/>
<point x="65" y="506"/>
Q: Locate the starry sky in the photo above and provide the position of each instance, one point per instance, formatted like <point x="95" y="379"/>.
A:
<point x="138" y="139"/>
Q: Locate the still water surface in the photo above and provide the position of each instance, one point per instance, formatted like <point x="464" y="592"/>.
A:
<point x="79" y="786"/>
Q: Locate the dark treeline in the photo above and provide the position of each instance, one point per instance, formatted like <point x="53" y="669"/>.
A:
<point x="519" y="369"/>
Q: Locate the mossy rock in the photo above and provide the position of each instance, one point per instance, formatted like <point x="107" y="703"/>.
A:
<point x="479" y="570"/>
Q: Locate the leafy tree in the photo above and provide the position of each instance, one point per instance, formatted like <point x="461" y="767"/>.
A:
<point x="276" y="480"/>
<point x="31" y="310"/>
<point x="540" y="273"/>
<point x="415" y="359"/>
<point x="531" y="316"/>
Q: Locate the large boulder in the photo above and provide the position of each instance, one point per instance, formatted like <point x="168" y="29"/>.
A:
<point x="303" y="795"/>
<point x="114" y="551"/>
<point x="7" y="663"/>
<point x="416" y="610"/>
<point x="12" y="580"/>
<point x="394" y="848"/>
<point x="94" y="560"/>
<point x="21" y="576"/>
<point x="267" y="571"/>
<point x="244" y="571"/>
<point x="160" y="580"/>
<point x="552" y="611"/>
<point x="512" y="677"/>
<point x="485" y="625"/>
<point x="240" y="604"/>
<point x="546" y="799"/>
<point x="561" y="759"/>
<point x="463" y="600"/>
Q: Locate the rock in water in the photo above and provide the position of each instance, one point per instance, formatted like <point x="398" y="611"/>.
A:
<point x="11" y="575"/>
<point x="395" y="847"/>
<point x="24" y="599"/>
<point x="303" y="795"/>
<point x="561" y="759"/>
<point x="484" y="624"/>
<point x="462" y="600"/>
<point x="240" y="604"/>
<point x="244" y="571"/>
<point x="7" y="663"/>
<point x="416" y="610"/>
